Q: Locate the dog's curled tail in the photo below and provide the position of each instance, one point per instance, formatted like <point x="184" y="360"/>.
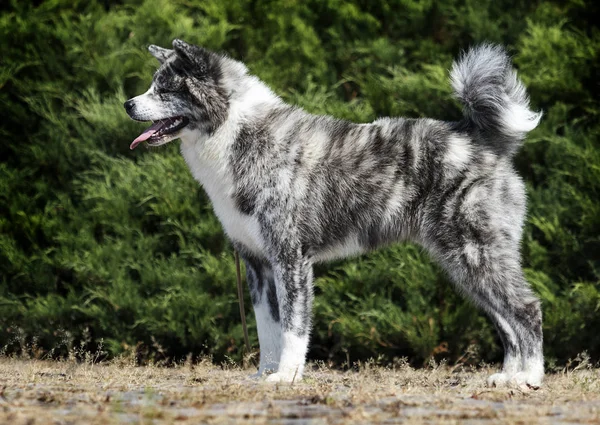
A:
<point x="496" y="105"/>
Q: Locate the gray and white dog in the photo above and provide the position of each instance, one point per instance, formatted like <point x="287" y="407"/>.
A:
<point x="292" y="189"/>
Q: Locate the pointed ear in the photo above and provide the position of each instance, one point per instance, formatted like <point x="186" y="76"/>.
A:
<point x="194" y="55"/>
<point x="184" y="50"/>
<point x="189" y="52"/>
<point x="159" y="53"/>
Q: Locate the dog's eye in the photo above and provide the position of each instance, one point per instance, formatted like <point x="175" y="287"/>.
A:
<point x="177" y="83"/>
<point x="169" y="83"/>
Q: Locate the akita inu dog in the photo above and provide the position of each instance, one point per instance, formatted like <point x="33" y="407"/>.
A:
<point x="292" y="189"/>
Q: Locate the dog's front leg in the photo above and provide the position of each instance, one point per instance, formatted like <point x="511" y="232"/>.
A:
<point x="261" y="283"/>
<point x="293" y="283"/>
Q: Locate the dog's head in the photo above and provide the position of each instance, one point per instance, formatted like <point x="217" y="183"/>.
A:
<point x="187" y="94"/>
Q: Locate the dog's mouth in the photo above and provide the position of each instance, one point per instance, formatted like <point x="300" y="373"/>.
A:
<point x="158" y="133"/>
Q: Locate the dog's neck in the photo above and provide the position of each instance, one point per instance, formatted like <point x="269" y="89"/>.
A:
<point x="249" y="101"/>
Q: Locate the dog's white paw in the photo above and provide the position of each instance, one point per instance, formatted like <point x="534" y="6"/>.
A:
<point x="262" y="371"/>
<point x="527" y="379"/>
<point x="498" y="380"/>
<point x="283" y="377"/>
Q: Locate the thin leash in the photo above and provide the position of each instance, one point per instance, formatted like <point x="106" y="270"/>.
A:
<point x="241" y="299"/>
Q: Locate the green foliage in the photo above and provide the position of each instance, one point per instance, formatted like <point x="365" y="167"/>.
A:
<point x="101" y="244"/>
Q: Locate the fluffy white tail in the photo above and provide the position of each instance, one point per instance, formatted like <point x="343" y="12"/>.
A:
<point x="496" y="105"/>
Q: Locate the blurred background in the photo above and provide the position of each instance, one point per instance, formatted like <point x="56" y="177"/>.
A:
<point x="113" y="252"/>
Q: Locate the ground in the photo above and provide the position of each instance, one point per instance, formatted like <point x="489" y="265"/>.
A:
<point x="70" y="392"/>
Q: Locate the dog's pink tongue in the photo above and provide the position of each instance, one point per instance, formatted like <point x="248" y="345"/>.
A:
<point x="146" y="134"/>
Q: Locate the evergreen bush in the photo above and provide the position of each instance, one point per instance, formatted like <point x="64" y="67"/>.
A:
<point x="100" y="245"/>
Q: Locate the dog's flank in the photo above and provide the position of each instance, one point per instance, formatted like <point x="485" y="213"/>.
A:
<point x="292" y="189"/>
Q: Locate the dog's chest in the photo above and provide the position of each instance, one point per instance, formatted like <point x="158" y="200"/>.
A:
<point x="219" y="186"/>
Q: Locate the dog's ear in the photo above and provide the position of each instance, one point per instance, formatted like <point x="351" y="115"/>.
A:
<point x="194" y="55"/>
<point x="184" y="50"/>
<point x="159" y="53"/>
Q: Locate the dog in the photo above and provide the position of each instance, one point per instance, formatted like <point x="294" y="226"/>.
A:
<point x="293" y="189"/>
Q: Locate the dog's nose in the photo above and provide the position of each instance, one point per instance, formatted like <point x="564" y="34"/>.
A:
<point x="128" y="105"/>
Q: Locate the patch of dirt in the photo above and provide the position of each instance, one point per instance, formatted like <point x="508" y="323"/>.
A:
<point x="40" y="392"/>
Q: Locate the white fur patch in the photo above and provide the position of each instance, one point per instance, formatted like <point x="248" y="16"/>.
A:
<point x="397" y="200"/>
<point x="518" y="119"/>
<point x="459" y="152"/>
<point x="269" y="338"/>
<point x="219" y="187"/>
<point x="351" y="247"/>
<point x="472" y="253"/>
<point x="293" y="357"/>
<point x="313" y="152"/>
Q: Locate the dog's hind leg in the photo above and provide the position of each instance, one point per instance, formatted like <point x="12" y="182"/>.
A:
<point x="502" y="292"/>
<point x="529" y="318"/>
<point x="516" y="312"/>
<point x="480" y="251"/>
<point x="261" y="283"/>
<point x="507" y="333"/>
<point x="517" y="315"/>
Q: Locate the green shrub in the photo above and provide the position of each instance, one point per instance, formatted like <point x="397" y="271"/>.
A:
<point x="99" y="245"/>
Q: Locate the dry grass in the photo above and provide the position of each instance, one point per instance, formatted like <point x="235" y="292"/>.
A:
<point x="40" y="392"/>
